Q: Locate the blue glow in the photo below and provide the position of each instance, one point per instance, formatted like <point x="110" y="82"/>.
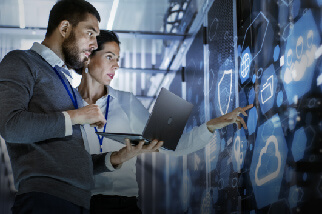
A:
<point x="304" y="176"/>
<point x="292" y="118"/>
<point x="239" y="49"/>
<point x="245" y="63"/>
<point x="276" y="53"/>
<point x="252" y="120"/>
<point x="319" y="3"/>
<point x="298" y="70"/>
<point x="251" y="147"/>
<point x="239" y="150"/>
<point x="289" y="174"/>
<point x="296" y="8"/>
<point x="299" y="144"/>
<point x="254" y="78"/>
<point x="251" y="96"/>
<point x="279" y="98"/>
<point x="293" y="196"/>
<point x="223" y="143"/>
<point x="269" y="157"/>
<point x="266" y="94"/>
<point x="224" y="96"/>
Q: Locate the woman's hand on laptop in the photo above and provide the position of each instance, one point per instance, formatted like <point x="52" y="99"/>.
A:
<point x="130" y="151"/>
<point x="229" y="118"/>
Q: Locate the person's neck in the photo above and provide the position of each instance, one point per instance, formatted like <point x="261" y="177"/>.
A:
<point x="54" y="46"/>
<point x="90" y="90"/>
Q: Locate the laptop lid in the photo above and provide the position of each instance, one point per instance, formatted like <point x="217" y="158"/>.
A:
<point x="168" y="119"/>
<point x="166" y="122"/>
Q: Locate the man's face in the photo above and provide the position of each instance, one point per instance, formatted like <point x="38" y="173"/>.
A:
<point x="81" y="42"/>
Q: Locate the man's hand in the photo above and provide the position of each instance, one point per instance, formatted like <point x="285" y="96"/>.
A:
<point x="129" y="151"/>
<point x="229" y="118"/>
<point x="90" y="114"/>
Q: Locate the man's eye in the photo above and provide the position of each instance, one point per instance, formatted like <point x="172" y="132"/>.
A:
<point x="109" y="57"/>
<point x="90" y="33"/>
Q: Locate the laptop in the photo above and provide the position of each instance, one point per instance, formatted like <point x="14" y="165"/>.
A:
<point x="166" y="122"/>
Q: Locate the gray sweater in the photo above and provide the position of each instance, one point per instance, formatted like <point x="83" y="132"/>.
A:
<point x="32" y="99"/>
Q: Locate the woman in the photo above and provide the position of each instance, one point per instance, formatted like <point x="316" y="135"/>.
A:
<point x="117" y="191"/>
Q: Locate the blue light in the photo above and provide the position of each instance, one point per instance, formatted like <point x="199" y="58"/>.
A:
<point x="276" y="53"/>
<point x="266" y="94"/>
<point x="299" y="144"/>
<point x="245" y="63"/>
<point x="268" y="162"/>
<point x="252" y="120"/>
<point x="279" y="98"/>
<point x="298" y="70"/>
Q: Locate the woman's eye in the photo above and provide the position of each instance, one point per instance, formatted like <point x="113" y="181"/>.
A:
<point x="90" y="34"/>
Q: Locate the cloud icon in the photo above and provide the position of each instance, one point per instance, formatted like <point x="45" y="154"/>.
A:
<point x="269" y="177"/>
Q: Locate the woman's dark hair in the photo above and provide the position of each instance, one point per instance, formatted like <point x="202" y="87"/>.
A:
<point x="73" y="11"/>
<point x="106" y="36"/>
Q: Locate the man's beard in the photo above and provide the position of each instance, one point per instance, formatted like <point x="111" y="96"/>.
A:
<point x="71" y="52"/>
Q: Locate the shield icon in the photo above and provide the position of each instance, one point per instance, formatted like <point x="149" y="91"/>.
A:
<point x="225" y="90"/>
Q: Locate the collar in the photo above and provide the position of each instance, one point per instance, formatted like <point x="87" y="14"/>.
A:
<point x="111" y="91"/>
<point x="48" y="55"/>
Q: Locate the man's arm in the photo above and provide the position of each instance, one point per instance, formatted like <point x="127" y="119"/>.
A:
<point x="17" y="124"/>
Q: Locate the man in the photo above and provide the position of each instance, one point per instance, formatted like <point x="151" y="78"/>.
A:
<point x="41" y="114"/>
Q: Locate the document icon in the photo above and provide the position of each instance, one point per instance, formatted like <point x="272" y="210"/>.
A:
<point x="267" y="91"/>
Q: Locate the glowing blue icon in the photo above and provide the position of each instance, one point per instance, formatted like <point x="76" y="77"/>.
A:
<point x="299" y="144"/>
<point x="279" y="98"/>
<point x="251" y="96"/>
<point x="246" y="59"/>
<point x="223" y="143"/>
<point x="267" y="89"/>
<point x="213" y="29"/>
<point x="260" y="20"/>
<point x="287" y="2"/>
<point x="224" y="91"/>
<point x="295" y="196"/>
<point x="300" y="61"/>
<point x="239" y="149"/>
<point x="252" y="120"/>
<point x="269" y="157"/>
<point x="276" y="53"/>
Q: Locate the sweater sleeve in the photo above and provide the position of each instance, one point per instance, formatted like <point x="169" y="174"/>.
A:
<point x="17" y="124"/>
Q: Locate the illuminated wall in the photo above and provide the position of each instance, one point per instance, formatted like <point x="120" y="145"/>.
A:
<point x="266" y="53"/>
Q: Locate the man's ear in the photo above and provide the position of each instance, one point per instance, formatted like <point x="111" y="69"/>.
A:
<point x="64" y="28"/>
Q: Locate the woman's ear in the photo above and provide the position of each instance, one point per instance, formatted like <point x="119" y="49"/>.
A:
<point x="64" y="28"/>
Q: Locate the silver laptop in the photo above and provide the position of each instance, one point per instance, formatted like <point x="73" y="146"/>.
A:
<point x="166" y="122"/>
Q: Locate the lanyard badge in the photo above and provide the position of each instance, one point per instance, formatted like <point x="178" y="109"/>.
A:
<point x="72" y="97"/>
<point x="100" y="138"/>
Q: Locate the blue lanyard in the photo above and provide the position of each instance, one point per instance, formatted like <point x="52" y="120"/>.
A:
<point x="72" y="97"/>
<point x="100" y="138"/>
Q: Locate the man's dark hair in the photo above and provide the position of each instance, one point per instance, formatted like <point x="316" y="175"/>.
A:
<point x="106" y="36"/>
<point x="73" y="11"/>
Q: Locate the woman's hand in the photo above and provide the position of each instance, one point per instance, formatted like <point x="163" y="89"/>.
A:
<point x="229" y="118"/>
<point x="130" y="151"/>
